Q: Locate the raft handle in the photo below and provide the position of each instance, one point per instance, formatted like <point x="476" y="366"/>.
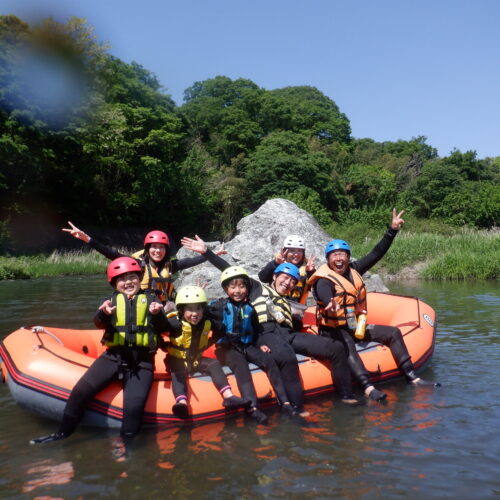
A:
<point x="42" y="329"/>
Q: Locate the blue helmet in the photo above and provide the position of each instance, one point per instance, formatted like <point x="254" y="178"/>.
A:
<point x="333" y="245"/>
<point x="290" y="269"/>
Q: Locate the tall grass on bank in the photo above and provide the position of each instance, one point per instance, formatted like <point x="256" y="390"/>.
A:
<point x="462" y="254"/>
<point x="467" y="254"/>
<point x="70" y="263"/>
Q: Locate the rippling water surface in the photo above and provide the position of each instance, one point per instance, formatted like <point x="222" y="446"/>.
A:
<point x="424" y="443"/>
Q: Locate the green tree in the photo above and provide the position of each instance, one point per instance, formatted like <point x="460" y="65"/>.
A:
<point x="283" y="163"/>
<point x="475" y="204"/>
<point x="370" y="186"/>
<point x="313" y="113"/>
<point x="430" y="188"/>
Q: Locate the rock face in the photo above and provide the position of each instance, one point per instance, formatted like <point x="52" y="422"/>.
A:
<point x="259" y="237"/>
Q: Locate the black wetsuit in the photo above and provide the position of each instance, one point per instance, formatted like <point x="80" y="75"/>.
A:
<point x="230" y="351"/>
<point x="133" y="365"/>
<point x="285" y="343"/>
<point x="324" y="290"/>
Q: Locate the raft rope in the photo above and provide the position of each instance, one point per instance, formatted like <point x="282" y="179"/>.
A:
<point x="37" y="330"/>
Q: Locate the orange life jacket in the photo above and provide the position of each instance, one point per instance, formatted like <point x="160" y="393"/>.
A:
<point x="347" y="294"/>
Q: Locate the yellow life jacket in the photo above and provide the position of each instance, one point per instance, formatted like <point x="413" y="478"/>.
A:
<point x="180" y="347"/>
<point x="281" y="303"/>
<point x="161" y="283"/>
<point x="347" y="294"/>
<point x="130" y="322"/>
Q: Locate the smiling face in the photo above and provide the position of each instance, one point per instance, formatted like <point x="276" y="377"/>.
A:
<point x="338" y="261"/>
<point x="193" y="313"/>
<point x="128" y="283"/>
<point x="294" y="255"/>
<point x="284" y="283"/>
<point x="157" y="251"/>
<point x="237" y="290"/>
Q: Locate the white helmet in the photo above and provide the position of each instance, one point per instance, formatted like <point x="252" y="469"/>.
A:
<point x="294" y="241"/>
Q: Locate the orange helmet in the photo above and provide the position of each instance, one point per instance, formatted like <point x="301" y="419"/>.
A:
<point x="122" y="265"/>
<point x="156" y="237"/>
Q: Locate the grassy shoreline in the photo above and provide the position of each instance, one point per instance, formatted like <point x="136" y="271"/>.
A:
<point x="467" y="254"/>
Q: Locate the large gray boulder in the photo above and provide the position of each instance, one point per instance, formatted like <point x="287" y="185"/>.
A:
<point x="259" y="237"/>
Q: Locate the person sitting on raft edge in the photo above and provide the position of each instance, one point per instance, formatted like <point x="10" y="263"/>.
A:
<point x="338" y="285"/>
<point x="155" y="259"/>
<point x="238" y="347"/>
<point x="189" y="337"/>
<point x="294" y="252"/>
<point x="128" y="357"/>
<point x="280" y="337"/>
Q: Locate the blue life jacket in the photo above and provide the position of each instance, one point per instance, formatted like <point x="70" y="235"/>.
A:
<point x="238" y="321"/>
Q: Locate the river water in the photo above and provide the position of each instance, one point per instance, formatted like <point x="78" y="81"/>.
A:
<point x="424" y="443"/>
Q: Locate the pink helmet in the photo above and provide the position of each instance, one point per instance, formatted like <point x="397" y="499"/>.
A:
<point x="156" y="237"/>
<point x="122" y="265"/>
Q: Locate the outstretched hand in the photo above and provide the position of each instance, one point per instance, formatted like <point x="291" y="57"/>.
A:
<point x="310" y="264"/>
<point x="397" y="220"/>
<point x="155" y="308"/>
<point x="76" y="233"/>
<point x="221" y="250"/>
<point x="332" y="305"/>
<point x="196" y="245"/>
<point x="281" y="257"/>
<point x="107" y="308"/>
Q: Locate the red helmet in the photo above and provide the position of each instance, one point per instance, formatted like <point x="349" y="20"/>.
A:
<point x="156" y="237"/>
<point x="122" y="265"/>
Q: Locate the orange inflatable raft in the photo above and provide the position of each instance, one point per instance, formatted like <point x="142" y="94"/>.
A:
<point x="41" y="368"/>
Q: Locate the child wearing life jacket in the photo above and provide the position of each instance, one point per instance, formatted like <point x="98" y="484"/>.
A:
<point x="132" y="320"/>
<point x="237" y="348"/>
<point x="154" y="259"/>
<point x="293" y="252"/>
<point x="275" y="319"/>
<point x="189" y="337"/>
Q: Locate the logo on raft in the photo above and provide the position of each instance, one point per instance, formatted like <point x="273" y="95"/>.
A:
<point x="428" y="319"/>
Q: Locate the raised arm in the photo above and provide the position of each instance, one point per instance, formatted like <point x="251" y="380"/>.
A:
<point x="380" y="249"/>
<point x="199" y="246"/>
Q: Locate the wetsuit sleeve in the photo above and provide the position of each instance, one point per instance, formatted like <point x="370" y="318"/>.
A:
<point x="174" y="327"/>
<point x="109" y="253"/>
<point x="180" y="264"/>
<point x="102" y="320"/>
<point x="215" y="309"/>
<point x="379" y="250"/>
<point x="216" y="260"/>
<point x="324" y="290"/>
<point x="218" y="330"/>
<point x="159" y="321"/>
<point x="267" y="272"/>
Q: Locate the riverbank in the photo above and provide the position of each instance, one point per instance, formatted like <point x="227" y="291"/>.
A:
<point x="464" y="254"/>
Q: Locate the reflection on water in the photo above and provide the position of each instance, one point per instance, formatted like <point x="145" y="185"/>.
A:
<point x="47" y="473"/>
<point x="421" y="443"/>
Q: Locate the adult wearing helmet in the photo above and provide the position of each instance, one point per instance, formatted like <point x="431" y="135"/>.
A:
<point x="276" y="330"/>
<point x="155" y="260"/>
<point x="337" y="286"/>
<point x="189" y="337"/>
<point x="293" y="252"/>
<point x="132" y="320"/>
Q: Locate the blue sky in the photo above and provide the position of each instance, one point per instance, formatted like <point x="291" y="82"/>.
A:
<point x="396" y="68"/>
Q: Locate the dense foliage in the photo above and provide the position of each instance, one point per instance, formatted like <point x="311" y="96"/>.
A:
<point x="85" y="136"/>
